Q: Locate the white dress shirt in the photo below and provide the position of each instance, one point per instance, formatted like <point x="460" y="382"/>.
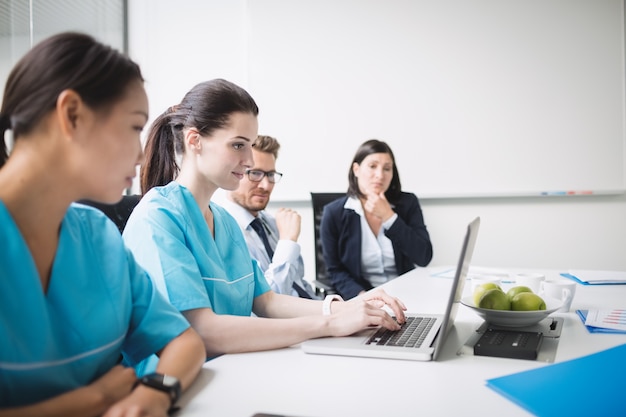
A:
<point x="378" y="264"/>
<point x="287" y="265"/>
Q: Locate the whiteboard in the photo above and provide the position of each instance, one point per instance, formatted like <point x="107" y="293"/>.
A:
<point x="475" y="97"/>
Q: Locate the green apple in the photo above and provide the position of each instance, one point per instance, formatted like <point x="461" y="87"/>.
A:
<point x="527" y="301"/>
<point x="495" y="299"/>
<point x="516" y="290"/>
<point x="483" y="288"/>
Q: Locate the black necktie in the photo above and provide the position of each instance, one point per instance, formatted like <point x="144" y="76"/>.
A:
<point x="260" y="230"/>
<point x="301" y="292"/>
<point x="258" y="227"/>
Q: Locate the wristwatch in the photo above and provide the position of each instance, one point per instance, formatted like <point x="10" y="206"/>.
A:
<point x="165" y="383"/>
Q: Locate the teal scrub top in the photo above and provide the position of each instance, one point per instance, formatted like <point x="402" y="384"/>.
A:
<point x="169" y="237"/>
<point x="100" y="307"/>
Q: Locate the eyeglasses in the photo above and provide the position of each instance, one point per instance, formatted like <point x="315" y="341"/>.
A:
<point x="257" y="175"/>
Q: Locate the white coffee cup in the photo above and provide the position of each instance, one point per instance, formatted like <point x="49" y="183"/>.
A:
<point x="483" y="279"/>
<point x="561" y="290"/>
<point x="532" y="281"/>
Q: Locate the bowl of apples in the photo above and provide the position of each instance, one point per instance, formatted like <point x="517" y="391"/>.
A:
<point x="517" y="307"/>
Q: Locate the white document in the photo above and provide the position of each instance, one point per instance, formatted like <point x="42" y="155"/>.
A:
<point x="608" y="319"/>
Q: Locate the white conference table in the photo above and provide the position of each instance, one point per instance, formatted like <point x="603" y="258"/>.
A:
<point x="290" y="382"/>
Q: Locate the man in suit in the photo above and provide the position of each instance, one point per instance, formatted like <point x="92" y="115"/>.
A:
<point x="272" y="240"/>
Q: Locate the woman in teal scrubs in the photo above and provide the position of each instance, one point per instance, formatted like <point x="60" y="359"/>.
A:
<point x="74" y="304"/>
<point x="195" y="251"/>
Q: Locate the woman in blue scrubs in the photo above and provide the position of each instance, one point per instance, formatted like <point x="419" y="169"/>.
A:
<point x="74" y="304"/>
<point x="195" y="251"/>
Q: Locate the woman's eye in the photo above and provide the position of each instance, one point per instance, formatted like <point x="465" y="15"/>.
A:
<point x="238" y="146"/>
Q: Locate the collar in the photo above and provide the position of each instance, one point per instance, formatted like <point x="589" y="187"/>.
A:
<point x="353" y="203"/>
<point x="240" y="214"/>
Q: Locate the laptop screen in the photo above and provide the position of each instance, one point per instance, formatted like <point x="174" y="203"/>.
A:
<point x="458" y="284"/>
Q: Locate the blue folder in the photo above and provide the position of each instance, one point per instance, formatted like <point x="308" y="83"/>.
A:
<point x="592" y="329"/>
<point x="593" y="385"/>
<point x="580" y="281"/>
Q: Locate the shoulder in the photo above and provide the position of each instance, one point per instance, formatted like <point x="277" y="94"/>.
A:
<point x="161" y="211"/>
<point x="81" y="216"/>
<point x="407" y="205"/>
<point x="90" y="226"/>
<point x="407" y="198"/>
<point x="336" y="205"/>
<point x="170" y="195"/>
<point x="168" y="200"/>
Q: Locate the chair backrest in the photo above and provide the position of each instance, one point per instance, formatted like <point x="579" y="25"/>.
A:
<point x="322" y="282"/>
<point x="118" y="212"/>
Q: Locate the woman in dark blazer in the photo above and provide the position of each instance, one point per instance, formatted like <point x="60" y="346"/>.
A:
<point x="376" y="232"/>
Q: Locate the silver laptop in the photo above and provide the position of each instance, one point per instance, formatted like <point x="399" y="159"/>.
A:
<point x="421" y="338"/>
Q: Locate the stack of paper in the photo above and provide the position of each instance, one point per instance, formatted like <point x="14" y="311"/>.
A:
<point x="593" y="385"/>
<point x="604" y="321"/>
<point x="596" y="277"/>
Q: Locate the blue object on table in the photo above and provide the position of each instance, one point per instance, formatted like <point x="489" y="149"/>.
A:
<point x="592" y="385"/>
<point x="580" y="281"/>
<point x="593" y="329"/>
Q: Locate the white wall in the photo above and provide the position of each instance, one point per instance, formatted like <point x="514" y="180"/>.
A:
<point x="463" y="83"/>
<point x="179" y="44"/>
<point x="550" y="233"/>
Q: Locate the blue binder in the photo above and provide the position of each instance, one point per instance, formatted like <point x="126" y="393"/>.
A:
<point x="592" y="329"/>
<point x="593" y="385"/>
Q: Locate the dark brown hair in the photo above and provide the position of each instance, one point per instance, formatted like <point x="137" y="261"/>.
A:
<point x="206" y="107"/>
<point x="367" y="148"/>
<point x="66" y="61"/>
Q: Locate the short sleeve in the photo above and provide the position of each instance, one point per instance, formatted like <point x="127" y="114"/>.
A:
<point x="154" y="321"/>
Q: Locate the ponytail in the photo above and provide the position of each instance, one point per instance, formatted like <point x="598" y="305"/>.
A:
<point x="206" y="107"/>
<point x="160" y="165"/>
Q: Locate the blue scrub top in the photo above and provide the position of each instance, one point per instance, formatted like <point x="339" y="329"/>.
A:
<point x="169" y="237"/>
<point x="100" y="305"/>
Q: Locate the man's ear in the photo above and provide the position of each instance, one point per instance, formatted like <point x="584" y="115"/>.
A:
<point x="68" y="108"/>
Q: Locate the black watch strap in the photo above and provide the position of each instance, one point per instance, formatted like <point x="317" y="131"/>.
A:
<point x="164" y="383"/>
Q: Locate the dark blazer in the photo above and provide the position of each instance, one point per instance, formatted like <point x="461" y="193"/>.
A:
<point x="340" y="231"/>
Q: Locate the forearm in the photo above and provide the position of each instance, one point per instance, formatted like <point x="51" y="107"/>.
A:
<point x="236" y="334"/>
<point x="81" y="402"/>
<point x="280" y="306"/>
<point x="183" y="357"/>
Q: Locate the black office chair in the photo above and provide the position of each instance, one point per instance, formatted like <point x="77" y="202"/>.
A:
<point x="118" y="212"/>
<point x="322" y="283"/>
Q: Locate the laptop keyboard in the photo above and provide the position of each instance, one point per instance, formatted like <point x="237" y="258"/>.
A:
<point x="411" y="334"/>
